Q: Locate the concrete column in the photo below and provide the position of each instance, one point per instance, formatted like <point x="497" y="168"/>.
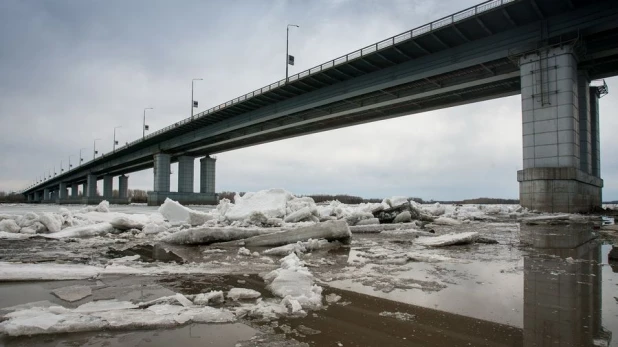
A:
<point x="63" y="192"/>
<point x="162" y="172"/>
<point x="54" y="195"/>
<point x="595" y="144"/>
<point x="555" y="178"/>
<point x="108" y="188"/>
<point x="29" y="197"/>
<point x="549" y="107"/>
<point x="207" y="175"/>
<point x="46" y="194"/>
<point x="185" y="174"/>
<point x="583" y="86"/>
<point x="74" y="190"/>
<point x="90" y="187"/>
<point x="123" y="187"/>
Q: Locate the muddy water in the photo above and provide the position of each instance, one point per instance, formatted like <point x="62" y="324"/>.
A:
<point x="558" y="288"/>
<point x="186" y="336"/>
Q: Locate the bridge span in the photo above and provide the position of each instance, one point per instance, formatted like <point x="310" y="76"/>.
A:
<point x="546" y="50"/>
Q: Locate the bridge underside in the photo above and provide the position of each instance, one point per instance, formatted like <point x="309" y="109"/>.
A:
<point x="478" y="57"/>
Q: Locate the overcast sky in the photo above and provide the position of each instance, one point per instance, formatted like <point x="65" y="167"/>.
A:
<point x="70" y="71"/>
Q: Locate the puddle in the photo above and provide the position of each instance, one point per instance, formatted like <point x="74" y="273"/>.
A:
<point x="187" y="336"/>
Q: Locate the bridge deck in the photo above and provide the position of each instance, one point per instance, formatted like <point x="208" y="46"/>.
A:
<point x="463" y="58"/>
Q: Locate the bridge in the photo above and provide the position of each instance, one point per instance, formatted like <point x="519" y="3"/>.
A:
<point x="548" y="51"/>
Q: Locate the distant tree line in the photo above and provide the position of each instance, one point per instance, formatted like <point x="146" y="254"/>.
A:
<point x="11" y="197"/>
<point x="346" y="199"/>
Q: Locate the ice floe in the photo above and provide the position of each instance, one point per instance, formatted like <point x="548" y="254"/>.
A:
<point x="72" y="293"/>
<point x="106" y="314"/>
<point x="448" y="239"/>
<point x="293" y="281"/>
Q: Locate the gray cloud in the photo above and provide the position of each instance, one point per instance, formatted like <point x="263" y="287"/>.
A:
<point x="70" y="71"/>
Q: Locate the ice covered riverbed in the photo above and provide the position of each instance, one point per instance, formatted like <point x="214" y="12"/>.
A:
<point x="453" y="273"/>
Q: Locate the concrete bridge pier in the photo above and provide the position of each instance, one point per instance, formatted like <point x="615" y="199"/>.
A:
<point x="74" y="191"/>
<point x="90" y="196"/>
<point x="123" y="187"/>
<point x="108" y="188"/>
<point x="46" y="195"/>
<point x="185" y="194"/>
<point x="185" y="174"/>
<point x="560" y="134"/>
<point x="63" y="192"/>
<point x="207" y="175"/>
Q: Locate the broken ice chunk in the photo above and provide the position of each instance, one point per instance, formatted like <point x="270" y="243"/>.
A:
<point x="242" y="294"/>
<point x="72" y="293"/>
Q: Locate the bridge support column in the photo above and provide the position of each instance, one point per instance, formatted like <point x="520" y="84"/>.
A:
<point x="207" y="175"/>
<point x="185" y="194"/>
<point x="46" y="195"/>
<point x="90" y="187"/>
<point x="108" y="188"/>
<point x="123" y="187"/>
<point x="63" y="193"/>
<point x="29" y="197"/>
<point x="162" y="172"/>
<point x="595" y="144"/>
<point x="185" y="174"/>
<point x="556" y="175"/>
<point x="74" y="190"/>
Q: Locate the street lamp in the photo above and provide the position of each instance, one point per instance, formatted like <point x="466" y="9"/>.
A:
<point x="193" y="102"/>
<point x="145" y="127"/>
<point x="70" y="166"/>
<point x="289" y="59"/>
<point x="94" y="149"/>
<point x="81" y="160"/>
<point x="61" y="169"/>
<point x="116" y="142"/>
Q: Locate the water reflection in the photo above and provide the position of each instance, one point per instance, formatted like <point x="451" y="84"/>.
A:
<point x="562" y="287"/>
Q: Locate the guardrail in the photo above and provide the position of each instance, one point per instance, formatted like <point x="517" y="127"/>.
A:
<point x="424" y="29"/>
<point x="461" y="15"/>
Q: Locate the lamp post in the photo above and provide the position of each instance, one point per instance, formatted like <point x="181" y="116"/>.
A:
<point x="70" y="165"/>
<point x="193" y="104"/>
<point x="94" y="149"/>
<point x="61" y="169"/>
<point x="116" y="142"/>
<point x="81" y="160"/>
<point x="287" y="46"/>
<point x="145" y="127"/>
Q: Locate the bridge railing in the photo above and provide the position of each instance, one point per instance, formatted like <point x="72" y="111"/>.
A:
<point x="424" y="29"/>
<point x="410" y="34"/>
